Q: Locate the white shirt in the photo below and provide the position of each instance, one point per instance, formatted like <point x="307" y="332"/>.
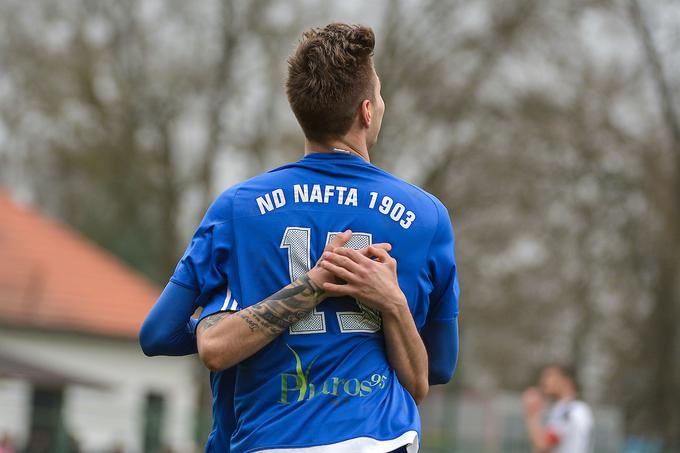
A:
<point x="359" y="445"/>
<point x="570" y="427"/>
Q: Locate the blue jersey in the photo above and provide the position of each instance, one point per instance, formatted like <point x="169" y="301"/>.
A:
<point x="326" y="381"/>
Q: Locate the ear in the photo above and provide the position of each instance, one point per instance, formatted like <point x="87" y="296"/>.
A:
<point x="365" y="113"/>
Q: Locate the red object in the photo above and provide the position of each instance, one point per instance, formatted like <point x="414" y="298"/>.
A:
<point x="53" y="278"/>
<point x="552" y="438"/>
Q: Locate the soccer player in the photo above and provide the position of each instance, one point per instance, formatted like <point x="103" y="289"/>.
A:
<point x="335" y="360"/>
<point x="169" y="330"/>
<point x="569" y="426"/>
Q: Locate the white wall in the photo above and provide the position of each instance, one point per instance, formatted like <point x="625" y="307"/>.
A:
<point x="14" y="408"/>
<point x="101" y="418"/>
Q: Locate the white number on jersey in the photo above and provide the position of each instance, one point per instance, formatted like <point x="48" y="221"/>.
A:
<point x="297" y="241"/>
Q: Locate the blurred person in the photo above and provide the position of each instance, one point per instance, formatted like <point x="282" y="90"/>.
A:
<point x="338" y="359"/>
<point x="117" y="448"/>
<point x="7" y="444"/>
<point x="40" y="441"/>
<point x="568" y="427"/>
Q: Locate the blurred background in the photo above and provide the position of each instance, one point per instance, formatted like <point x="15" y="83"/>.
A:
<point x="548" y="127"/>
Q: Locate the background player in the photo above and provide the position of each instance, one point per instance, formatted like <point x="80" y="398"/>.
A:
<point x="569" y="425"/>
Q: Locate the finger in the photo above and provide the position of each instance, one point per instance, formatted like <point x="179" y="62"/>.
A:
<point x="342" y="261"/>
<point x="383" y="245"/>
<point x="339" y="240"/>
<point x="345" y="290"/>
<point x="338" y="271"/>
<point x="354" y="255"/>
<point x="379" y="253"/>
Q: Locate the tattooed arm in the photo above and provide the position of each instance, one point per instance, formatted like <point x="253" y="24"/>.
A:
<point x="375" y="284"/>
<point x="226" y="339"/>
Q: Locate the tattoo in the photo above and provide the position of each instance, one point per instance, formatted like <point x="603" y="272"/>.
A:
<point x="251" y="324"/>
<point x="277" y="312"/>
<point x="211" y="320"/>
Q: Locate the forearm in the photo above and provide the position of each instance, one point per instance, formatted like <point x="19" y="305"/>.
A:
<point x="406" y="351"/>
<point x="536" y="433"/>
<point x="441" y="342"/>
<point x="226" y="339"/>
<point x="165" y="330"/>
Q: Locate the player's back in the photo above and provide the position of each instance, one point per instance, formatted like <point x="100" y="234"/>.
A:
<point x="327" y="379"/>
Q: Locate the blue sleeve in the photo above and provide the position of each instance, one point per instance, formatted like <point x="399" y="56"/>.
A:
<point x="440" y="332"/>
<point x="200" y="273"/>
<point x="168" y="330"/>
<point x="221" y="300"/>
<point x="203" y="265"/>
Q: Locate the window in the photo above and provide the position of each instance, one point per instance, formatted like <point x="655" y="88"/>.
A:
<point x="153" y="423"/>
<point x="47" y="433"/>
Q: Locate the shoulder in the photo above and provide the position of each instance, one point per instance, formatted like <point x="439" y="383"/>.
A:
<point x="220" y="211"/>
<point x="579" y="412"/>
<point x="268" y="179"/>
<point x="443" y="214"/>
<point x="225" y="200"/>
<point x="581" y="407"/>
<point x="425" y="197"/>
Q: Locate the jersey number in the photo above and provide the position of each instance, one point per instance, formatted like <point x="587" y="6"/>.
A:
<point x="297" y="241"/>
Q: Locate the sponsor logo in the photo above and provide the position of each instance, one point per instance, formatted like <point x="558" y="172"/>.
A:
<point x="299" y="386"/>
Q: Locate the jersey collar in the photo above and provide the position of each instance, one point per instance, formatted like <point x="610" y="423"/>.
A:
<point x="342" y="156"/>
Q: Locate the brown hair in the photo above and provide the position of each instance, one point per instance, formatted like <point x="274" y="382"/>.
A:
<point x="329" y="75"/>
<point x="566" y="370"/>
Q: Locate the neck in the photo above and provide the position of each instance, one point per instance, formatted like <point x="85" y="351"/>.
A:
<point x="567" y="396"/>
<point x="352" y="146"/>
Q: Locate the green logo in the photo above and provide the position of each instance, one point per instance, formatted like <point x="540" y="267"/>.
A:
<point x="298" y="386"/>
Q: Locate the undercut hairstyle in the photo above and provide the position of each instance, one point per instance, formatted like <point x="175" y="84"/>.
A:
<point x="329" y="76"/>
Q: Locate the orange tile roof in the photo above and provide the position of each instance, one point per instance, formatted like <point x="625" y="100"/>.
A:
<point x="53" y="278"/>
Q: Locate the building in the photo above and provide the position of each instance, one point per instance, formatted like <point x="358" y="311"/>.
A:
<point x="71" y="370"/>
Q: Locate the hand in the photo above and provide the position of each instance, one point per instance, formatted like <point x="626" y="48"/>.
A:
<point x="373" y="282"/>
<point x="319" y="275"/>
<point x="533" y="401"/>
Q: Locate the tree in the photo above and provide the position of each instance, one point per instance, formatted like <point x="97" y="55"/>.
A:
<point x="552" y="140"/>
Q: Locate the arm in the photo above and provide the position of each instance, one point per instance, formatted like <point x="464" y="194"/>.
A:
<point x="167" y="330"/>
<point x="226" y="339"/>
<point x="406" y="351"/>
<point x="537" y="434"/>
<point x="441" y="342"/>
<point x="440" y="332"/>
<point x="375" y="284"/>
<point x="533" y="407"/>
